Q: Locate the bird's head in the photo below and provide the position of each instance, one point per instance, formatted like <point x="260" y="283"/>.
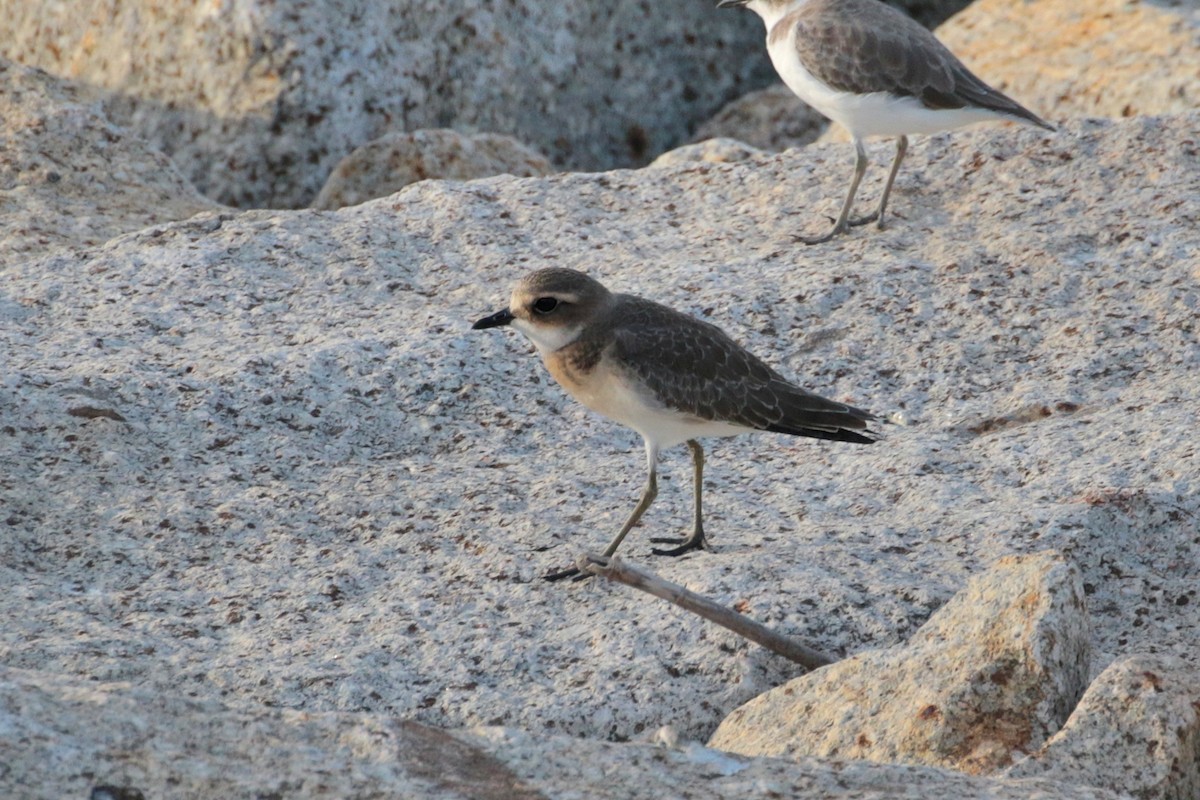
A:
<point x="551" y="307"/>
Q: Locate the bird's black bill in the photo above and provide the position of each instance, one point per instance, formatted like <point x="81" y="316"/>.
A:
<point x="494" y="321"/>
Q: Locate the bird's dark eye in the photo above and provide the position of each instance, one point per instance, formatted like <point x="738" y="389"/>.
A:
<point x="544" y="305"/>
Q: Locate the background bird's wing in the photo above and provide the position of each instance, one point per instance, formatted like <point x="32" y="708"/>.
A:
<point x="694" y="368"/>
<point x="869" y="47"/>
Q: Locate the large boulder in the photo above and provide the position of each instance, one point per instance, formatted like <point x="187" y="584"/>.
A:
<point x="992" y="675"/>
<point x="1136" y="730"/>
<point x="391" y="162"/>
<point x="258" y="102"/>
<point x="1103" y="58"/>
<point x="709" y="151"/>
<point x="66" y="739"/>
<point x="773" y="119"/>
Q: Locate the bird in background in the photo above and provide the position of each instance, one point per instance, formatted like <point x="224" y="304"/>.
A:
<point x="669" y="376"/>
<point x="876" y="72"/>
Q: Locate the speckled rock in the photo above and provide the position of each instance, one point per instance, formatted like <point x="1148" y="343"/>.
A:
<point x="65" y="739"/>
<point x="261" y="459"/>
<point x="710" y="151"/>
<point x="770" y="119"/>
<point x="70" y="177"/>
<point x="992" y="674"/>
<point x="258" y="101"/>
<point x="392" y="162"/>
<point x="1104" y="58"/>
<point x="1136" y="730"/>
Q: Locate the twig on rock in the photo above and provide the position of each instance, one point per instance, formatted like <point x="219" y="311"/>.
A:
<point x="615" y="569"/>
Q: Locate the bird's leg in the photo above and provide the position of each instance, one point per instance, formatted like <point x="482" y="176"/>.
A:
<point x="860" y="167"/>
<point x="696" y="540"/>
<point x="877" y="217"/>
<point x="648" y="494"/>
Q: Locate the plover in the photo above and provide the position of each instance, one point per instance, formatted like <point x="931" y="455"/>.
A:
<point x="669" y="376"/>
<point x="876" y="72"/>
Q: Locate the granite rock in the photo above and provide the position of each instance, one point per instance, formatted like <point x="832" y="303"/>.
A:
<point x="261" y="459"/>
<point x="69" y="177"/>
<point x="1136" y="730"/>
<point x="390" y="163"/>
<point x="710" y="151"/>
<point x="258" y="101"/>
<point x="1107" y="58"/>
<point x="65" y="738"/>
<point x="992" y="675"/>
<point x="770" y="119"/>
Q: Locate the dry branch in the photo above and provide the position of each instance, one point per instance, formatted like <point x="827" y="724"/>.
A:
<point x="617" y="570"/>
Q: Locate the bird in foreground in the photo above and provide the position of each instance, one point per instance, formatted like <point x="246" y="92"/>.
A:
<point x="877" y="72"/>
<point x="669" y="376"/>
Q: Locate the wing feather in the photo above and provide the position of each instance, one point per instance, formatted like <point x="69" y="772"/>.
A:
<point x="865" y="46"/>
<point x="695" y="368"/>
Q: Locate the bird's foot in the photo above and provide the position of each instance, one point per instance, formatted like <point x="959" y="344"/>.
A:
<point x="571" y="572"/>
<point x="693" y="542"/>
<point x="836" y="230"/>
<point x="576" y="573"/>
<point x="865" y="220"/>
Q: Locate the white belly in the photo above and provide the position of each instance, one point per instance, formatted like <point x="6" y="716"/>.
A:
<point x="877" y="114"/>
<point x="663" y="427"/>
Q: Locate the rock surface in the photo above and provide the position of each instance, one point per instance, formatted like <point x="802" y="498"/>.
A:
<point x="70" y="177"/>
<point x="710" y="151"/>
<point x="1136" y="730"/>
<point x="1107" y="58"/>
<point x="770" y="119"/>
<point x="258" y="101"/>
<point x="390" y="163"/>
<point x="70" y="738"/>
<point x="261" y="459"/>
<point x="991" y="676"/>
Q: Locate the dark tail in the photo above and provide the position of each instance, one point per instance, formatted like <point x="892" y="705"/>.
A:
<point x="970" y="91"/>
<point x="985" y="96"/>
<point x="836" y="422"/>
<point x="840" y="435"/>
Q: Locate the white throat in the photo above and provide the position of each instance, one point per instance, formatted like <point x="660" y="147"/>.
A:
<point x="772" y="12"/>
<point x="547" y="338"/>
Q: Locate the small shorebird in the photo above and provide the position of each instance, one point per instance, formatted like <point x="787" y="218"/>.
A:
<point x="669" y="376"/>
<point x="876" y="72"/>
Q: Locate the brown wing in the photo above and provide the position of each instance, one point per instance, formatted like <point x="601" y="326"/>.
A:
<point x="694" y="367"/>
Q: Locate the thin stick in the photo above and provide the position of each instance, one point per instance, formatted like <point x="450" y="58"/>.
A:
<point x="615" y="569"/>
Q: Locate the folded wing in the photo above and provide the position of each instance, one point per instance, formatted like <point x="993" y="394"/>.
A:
<point x="695" y="369"/>
<point x="868" y="47"/>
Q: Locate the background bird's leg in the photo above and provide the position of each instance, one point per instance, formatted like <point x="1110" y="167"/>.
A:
<point x="860" y="167"/>
<point x="901" y="149"/>
<point x="696" y="540"/>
